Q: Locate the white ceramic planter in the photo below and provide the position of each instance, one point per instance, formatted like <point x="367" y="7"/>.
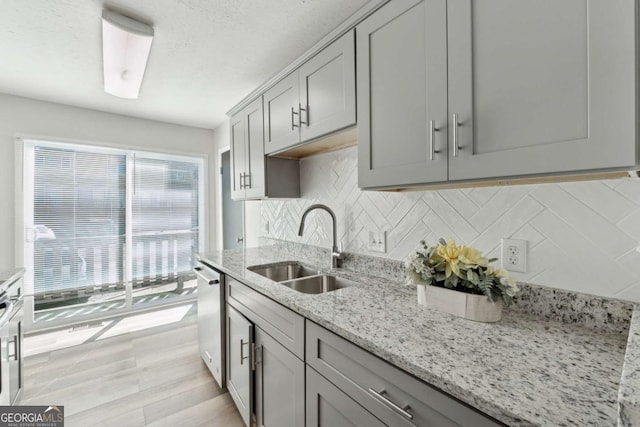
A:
<point x="472" y="307"/>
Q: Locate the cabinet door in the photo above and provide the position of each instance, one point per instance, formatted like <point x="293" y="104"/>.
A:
<point x="402" y="94"/>
<point x="328" y="406"/>
<point x="15" y="355"/>
<point x="238" y="155"/>
<point x="279" y="384"/>
<point x="239" y="373"/>
<point x="540" y="86"/>
<point x="281" y="105"/>
<point x="254" y="139"/>
<point x="328" y="89"/>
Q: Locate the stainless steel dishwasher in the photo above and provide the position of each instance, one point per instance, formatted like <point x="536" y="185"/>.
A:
<point x="211" y="320"/>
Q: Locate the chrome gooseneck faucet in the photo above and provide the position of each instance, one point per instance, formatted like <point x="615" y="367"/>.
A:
<point x="336" y="253"/>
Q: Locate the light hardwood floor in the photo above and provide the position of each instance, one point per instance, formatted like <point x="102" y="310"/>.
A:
<point x="153" y="377"/>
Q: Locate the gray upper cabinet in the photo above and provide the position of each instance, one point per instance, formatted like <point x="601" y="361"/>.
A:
<point x="282" y="108"/>
<point x="247" y="152"/>
<point x="328" y="90"/>
<point x="254" y="178"/>
<point x="402" y="94"/>
<point x="495" y="88"/>
<point x="253" y="175"/>
<point x="238" y="155"/>
<point x="316" y="99"/>
<point x="541" y="86"/>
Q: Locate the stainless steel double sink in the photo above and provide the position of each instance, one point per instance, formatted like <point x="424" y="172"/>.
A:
<point x="301" y="278"/>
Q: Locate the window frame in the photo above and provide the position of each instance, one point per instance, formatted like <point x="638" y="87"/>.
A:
<point x="25" y="145"/>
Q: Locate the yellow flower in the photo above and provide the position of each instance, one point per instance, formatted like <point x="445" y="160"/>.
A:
<point x="502" y="273"/>
<point x="472" y="257"/>
<point x="450" y="253"/>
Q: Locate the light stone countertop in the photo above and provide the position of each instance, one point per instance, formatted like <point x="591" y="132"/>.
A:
<point x="9" y="276"/>
<point x="629" y="393"/>
<point x="522" y="370"/>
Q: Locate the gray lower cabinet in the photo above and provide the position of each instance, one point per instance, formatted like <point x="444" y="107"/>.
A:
<point x="253" y="175"/>
<point x="317" y="99"/>
<point x="340" y="385"/>
<point x="278" y="321"/>
<point x="239" y="369"/>
<point x="391" y="395"/>
<point x="265" y="377"/>
<point x="279" y="384"/>
<point x="328" y="406"/>
<point x="453" y="90"/>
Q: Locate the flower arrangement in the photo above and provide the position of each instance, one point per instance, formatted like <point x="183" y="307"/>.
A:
<point x="461" y="268"/>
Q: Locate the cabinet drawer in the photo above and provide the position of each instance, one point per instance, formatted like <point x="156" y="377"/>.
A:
<point x="278" y="321"/>
<point x="328" y="406"/>
<point x="360" y="374"/>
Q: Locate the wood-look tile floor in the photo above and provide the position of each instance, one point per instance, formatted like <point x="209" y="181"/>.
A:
<point x="151" y="377"/>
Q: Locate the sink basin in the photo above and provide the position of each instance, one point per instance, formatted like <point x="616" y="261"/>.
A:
<point x="284" y="271"/>
<point x="318" y="284"/>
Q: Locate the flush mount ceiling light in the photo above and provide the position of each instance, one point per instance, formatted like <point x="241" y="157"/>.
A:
<point x="125" y="49"/>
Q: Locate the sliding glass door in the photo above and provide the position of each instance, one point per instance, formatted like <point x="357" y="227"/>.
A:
<point x="108" y="230"/>
<point x="164" y="228"/>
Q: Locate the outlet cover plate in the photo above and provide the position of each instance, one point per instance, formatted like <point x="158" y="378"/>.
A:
<point x="514" y="255"/>
<point x="377" y="241"/>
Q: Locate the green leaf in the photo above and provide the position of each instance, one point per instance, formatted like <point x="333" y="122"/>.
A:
<point x="472" y="276"/>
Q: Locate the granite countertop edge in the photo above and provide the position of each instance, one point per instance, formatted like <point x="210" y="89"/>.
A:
<point x="233" y="264"/>
<point x="10" y="275"/>
<point x="629" y="391"/>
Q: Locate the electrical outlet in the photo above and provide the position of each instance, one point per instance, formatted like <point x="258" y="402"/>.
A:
<point x="377" y="241"/>
<point x="266" y="228"/>
<point x="514" y="255"/>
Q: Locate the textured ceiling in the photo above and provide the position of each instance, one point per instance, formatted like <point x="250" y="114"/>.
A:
<point x="206" y="54"/>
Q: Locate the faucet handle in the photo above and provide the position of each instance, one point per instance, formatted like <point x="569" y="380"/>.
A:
<point x="340" y="248"/>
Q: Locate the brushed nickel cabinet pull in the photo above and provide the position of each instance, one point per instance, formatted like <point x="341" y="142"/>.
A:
<point x="242" y="356"/>
<point x="293" y="122"/>
<point x="432" y="137"/>
<point x="455" y="125"/>
<point x="402" y="410"/>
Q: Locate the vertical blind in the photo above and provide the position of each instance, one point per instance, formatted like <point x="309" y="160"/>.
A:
<point x="164" y="218"/>
<point x="80" y="218"/>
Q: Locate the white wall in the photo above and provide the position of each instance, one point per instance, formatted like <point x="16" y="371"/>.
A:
<point x="28" y="117"/>
<point x="220" y="144"/>
<point x="582" y="236"/>
<point x="252" y="210"/>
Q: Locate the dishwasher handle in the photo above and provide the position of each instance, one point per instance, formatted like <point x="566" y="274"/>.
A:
<point x="209" y="280"/>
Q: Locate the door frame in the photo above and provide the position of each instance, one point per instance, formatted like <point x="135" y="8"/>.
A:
<point x="219" y="212"/>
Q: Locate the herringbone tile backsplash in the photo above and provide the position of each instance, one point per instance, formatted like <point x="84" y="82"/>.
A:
<point x="581" y="236"/>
